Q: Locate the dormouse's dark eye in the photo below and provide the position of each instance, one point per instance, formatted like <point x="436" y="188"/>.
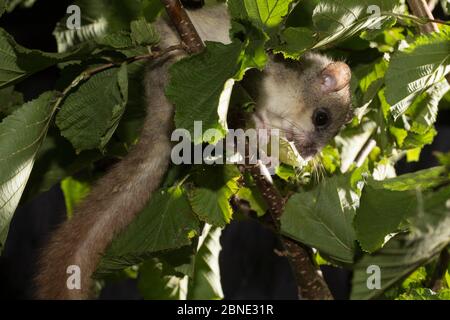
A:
<point x="321" y="118"/>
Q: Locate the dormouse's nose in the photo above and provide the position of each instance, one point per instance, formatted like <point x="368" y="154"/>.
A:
<point x="307" y="150"/>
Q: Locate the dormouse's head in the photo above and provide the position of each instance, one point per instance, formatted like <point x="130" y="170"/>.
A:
<point x="307" y="100"/>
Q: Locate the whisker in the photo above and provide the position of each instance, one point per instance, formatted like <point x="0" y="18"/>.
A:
<point x="318" y="170"/>
<point x="283" y="130"/>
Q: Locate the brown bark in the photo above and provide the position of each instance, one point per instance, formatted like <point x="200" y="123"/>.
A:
<point x="184" y="25"/>
<point x="309" y="283"/>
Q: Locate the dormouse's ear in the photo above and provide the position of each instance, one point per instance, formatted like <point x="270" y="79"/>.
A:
<point x="335" y="77"/>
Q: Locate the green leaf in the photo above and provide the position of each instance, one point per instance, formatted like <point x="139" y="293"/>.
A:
<point x="384" y="169"/>
<point x="236" y="8"/>
<point x="339" y="19"/>
<point x="167" y="222"/>
<point x="407" y="251"/>
<point x="74" y="192"/>
<point x="21" y="135"/>
<point x="267" y="14"/>
<point x="90" y="115"/>
<point x="413" y="155"/>
<point x="422" y="179"/>
<point x="443" y="158"/>
<point x="98" y="19"/>
<point x="143" y="33"/>
<point x="205" y="283"/>
<point x="415" y="69"/>
<point x="386" y="38"/>
<point x="335" y="21"/>
<point x="200" y="87"/>
<point x="376" y="219"/>
<point x="17" y="62"/>
<point x="152" y="9"/>
<point x="163" y="278"/>
<point x="285" y="172"/>
<point x="423" y="112"/>
<point x="210" y="199"/>
<point x="415" y="279"/>
<point x="132" y="120"/>
<point x="157" y="280"/>
<point x="289" y="154"/>
<point x="182" y="260"/>
<point x="399" y="134"/>
<point x="2" y="7"/>
<point x="12" y="4"/>
<point x="330" y="158"/>
<point x="130" y="125"/>
<point x="446" y="6"/>
<point x="420" y="294"/>
<point x="370" y="83"/>
<point x="116" y="40"/>
<point x="301" y="14"/>
<point x="295" y="42"/>
<point x="351" y="141"/>
<point x="55" y="161"/>
<point x="415" y="140"/>
<point x="255" y="55"/>
<point x="322" y="218"/>
<point x="253" y="196"/>
<point x="426" y="294"/>
<point x="10" y="100"/>
<point x="447" y="277"/>
<point x="248" y="28"/>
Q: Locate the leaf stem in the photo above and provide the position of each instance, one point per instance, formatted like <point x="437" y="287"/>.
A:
<point x="152" y="55"/>
<point x="420" y="20"/>
<point x="182" y="181"/>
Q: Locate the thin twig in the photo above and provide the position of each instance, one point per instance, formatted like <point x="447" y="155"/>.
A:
<point x="152" y="55"/>
<point x="419" y="20"/>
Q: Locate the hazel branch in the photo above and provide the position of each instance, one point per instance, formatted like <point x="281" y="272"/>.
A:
<point x="310" y="285"/>
<point x="184" y="25"/>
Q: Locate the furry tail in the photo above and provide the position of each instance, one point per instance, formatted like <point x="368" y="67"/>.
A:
<point x="112" y="204"/>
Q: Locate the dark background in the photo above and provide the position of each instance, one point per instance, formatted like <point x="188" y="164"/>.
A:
<point x="249" y="268"/>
